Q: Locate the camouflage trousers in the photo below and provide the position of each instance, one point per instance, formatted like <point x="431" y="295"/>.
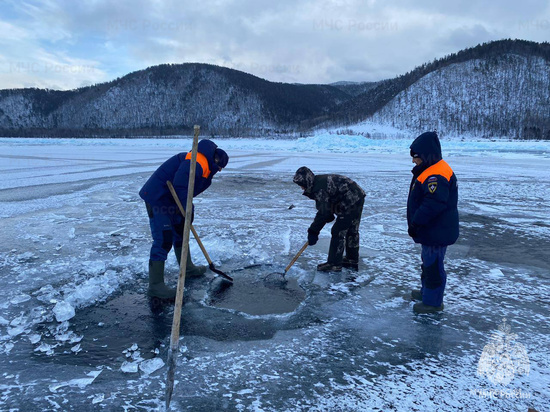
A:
<point x="345" y="235"/>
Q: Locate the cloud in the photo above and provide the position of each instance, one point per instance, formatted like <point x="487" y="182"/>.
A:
<point x="302" y="41"/>
<point x="24" y="63"/>
<point x="34" y="55"/>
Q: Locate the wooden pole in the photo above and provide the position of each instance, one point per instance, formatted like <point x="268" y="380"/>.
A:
<point x="174" y="338"/>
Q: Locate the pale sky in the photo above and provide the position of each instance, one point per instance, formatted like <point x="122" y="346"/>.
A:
<point x="62" y="44"/>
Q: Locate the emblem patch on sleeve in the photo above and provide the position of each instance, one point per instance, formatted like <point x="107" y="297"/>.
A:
<point x="432" y="187"/>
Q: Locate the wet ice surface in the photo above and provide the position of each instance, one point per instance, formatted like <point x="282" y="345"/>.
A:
<point x="75" y="236"/>
<point x="256" y="290"/>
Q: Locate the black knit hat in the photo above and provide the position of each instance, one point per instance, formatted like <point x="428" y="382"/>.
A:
<point x="427" y="147"/>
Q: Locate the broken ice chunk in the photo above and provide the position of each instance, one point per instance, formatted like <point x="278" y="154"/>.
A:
<point x="20" y="320"/>
<point x="63" y="311"/>
<point x="8" y="347"/>
<point x="126" y="243"/>
<point x="44" y="347"/>
<point x="46" y="293"/>
<point x="98" y="398"/>
<point x="129" y="367"/>
<point x="495" y="273"/>
<point x="26" y="257"/>
<point x="18" y="330"/>
<point x="20" y="299"/>
<point x="151" y="365"/>
<point x="81" y="383"/>
<point x="94" y="267"/>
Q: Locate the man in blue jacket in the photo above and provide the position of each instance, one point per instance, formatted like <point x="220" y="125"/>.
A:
<point x="165" y="219"/>
<point x="432" y="217"/>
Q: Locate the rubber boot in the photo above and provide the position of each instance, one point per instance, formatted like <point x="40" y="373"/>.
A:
<point x="329" y="267"/>
<point x="191" y="270"/>
<point x="419" y="308"/>
<point x="157" y="288"/>
<point x="350" y="263"/>
<point x="416" y="294"/>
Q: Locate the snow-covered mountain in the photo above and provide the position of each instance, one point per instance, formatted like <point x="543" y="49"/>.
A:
<point x="508" y="96"/>
<point x="498" y="89"/>
<point x="168" y="98"/>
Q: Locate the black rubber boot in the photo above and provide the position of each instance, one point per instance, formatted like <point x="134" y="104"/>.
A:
<point x="191" y="270"/>
<point x="157" y="288"/>
<point x="329" y="267"/>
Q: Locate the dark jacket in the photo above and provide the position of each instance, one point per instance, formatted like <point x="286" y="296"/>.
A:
<point x="176" y="169"/>
<point x="334" y="195"/>
<point x="433" y="195"/>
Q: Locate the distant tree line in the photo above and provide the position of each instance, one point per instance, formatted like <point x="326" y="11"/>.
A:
<point x="415" y="114"/>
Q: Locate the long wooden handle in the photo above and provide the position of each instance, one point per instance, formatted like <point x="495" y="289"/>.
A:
<point x="174" y="338"/>
<point x="197" y="238"/>
<point x="296" y="257"/>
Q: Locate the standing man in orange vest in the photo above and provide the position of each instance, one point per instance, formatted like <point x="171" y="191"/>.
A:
<point x="432" y="216"/>
<point x="165" y="218"/>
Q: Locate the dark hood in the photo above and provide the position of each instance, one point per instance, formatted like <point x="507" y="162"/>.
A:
<point x="427" y="146"/>
<point x="208" y="148"/>
<point x="221" y="158"/>
<point x="304" y="178"/>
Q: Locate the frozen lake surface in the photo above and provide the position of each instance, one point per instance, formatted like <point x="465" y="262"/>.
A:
<point x="78" y="333"/>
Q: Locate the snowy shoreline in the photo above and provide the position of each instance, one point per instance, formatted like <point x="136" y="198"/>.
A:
<point x="328" y="142"/>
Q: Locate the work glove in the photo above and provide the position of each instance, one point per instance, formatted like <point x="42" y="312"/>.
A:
<point x="336" y="208"/>
<point x="413" y="230"/>
<point x="312" y="237"/>
<point x="178" y="212"/>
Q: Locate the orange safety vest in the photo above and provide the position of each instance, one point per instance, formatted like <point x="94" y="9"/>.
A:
<point x="440" y="168"/>
<point x="203" y="161"/>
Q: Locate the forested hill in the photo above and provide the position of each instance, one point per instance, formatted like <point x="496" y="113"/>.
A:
<point x="166" y="99"/>
<point x="498" y="89"/>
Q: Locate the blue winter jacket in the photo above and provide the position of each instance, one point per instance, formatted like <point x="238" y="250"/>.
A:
<point x="433" y="195"/>
<point x="176" y="170"/>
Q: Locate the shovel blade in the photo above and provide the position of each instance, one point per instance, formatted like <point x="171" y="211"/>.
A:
<point x="219" y="272"/>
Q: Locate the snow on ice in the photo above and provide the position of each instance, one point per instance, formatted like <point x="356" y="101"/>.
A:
<point x="77" y="333"/>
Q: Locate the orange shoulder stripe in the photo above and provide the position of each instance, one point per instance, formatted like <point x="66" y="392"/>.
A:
<point x="201" y="159"/>
<point x="440" y="168"/>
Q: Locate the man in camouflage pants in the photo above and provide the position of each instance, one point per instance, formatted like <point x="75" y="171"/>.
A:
<point x="334" y="195"/>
